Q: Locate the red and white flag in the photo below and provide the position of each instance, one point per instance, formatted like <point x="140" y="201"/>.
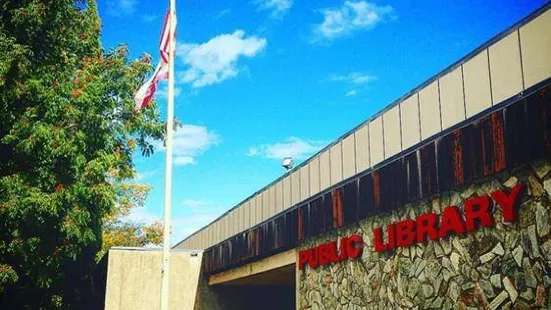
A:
<point x="147" y="90"/>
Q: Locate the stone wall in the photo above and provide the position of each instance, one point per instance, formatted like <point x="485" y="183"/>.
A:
<point x="507" y="266"/>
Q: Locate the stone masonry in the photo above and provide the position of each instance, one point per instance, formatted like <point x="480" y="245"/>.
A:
<point x="507" y="266"/>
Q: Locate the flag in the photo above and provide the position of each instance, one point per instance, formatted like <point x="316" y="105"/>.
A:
<point x="165" y="37"/>
<point x="147" y="90"/>
<point x="145" y="93"/>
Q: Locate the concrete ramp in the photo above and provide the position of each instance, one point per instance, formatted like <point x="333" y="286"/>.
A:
<point x="134" y="279"/>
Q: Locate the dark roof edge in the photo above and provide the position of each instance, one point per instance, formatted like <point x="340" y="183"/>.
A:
<point x="525" y="20"/>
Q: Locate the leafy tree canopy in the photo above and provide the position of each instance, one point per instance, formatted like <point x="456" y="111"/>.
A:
<point x="67" y="135"/>
<point x="118" y="230"/>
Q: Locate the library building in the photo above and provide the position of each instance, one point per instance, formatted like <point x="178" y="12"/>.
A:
<point x="442" y="200"/>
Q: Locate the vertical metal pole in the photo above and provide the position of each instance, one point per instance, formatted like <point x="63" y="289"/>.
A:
<point x="168" y="169"/>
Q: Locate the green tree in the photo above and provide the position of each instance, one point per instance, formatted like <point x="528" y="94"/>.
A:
<point x="67" y="135"/>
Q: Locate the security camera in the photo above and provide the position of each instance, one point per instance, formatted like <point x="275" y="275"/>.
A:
<point x="287" y="163"/>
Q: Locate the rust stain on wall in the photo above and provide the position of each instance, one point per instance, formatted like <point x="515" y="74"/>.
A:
<point x="337" y="208"/>
<point x="498" y="137"/>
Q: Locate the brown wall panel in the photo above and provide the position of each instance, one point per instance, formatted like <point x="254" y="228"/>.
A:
<point x="409" y="114"/>
<point x="246" y="215"/>
<point x="202" y="238"/>
<point x="305" y="182"/>
<point x="505" y="68"/>
<point x="209" y="237"/>
<point x="230" y="224"/>
<point x="262" y="211"/>
<point x="286" y="193"/>
<point x="232" y="218"/>
<point x="325" y="170"/>
<point x="224" y="227"/>
<point x="238" y="219"/>
<point x="253" y="213"/>
<point x="256" y="213"/>
<point x="376" y="147"/>
<point x="335" y="153"/>
<point x="535" y="42"/>
<point x="264" y="199"/>
<point x="273" y="198"/>
<point x="476" y="78"/>
<point x="314" y="170"/>
<point x="392" y="131"/>
<point x="216" y="227"/>
<point x="429" y="106"/>
<point x="362" y="148"/>
<point x="213" y="235"/>
<point x="452" y="98"/>
<point x="279" y="197"/>
<point x="206" y="238"/>
<point x="348" y="156"/>
<point x="295" y="188"/>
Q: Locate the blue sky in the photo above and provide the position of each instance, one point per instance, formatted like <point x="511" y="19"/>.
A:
<point x="263" y="79"/>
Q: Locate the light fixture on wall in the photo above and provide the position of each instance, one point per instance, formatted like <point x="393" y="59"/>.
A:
<point x="287" y="163"/>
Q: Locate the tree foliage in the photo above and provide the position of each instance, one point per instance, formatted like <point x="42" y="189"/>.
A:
<point x="67" y="135"/>
<point x="119" y="230"/>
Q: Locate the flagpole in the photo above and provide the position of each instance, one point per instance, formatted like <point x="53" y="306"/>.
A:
<point x="168" y="169"/>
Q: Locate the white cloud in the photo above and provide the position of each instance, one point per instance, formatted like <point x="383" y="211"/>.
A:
<point x="253" y="151"/>
<point x="142" y="216"/>
<point x="184" y="160"/>
<point x="352" y="92"/>
<point x="277" y="8"/>
<point x="294" y="147"/>
<point x="217" y="60"/>
<point x="162" y="92"/>
<point x="351" y="17"/>
<point x="121" y="8"/>
<point x="222" y="13"/>
<point x="191" y="141"/>
<point x="354" y="78"/>
<point x="140" y="176"/>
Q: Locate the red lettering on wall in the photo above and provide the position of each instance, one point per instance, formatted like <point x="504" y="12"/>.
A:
<point x="477" y="214"/>
<point x="451" y="222"/>
<point x="380" y="245"/>
<point x="343" y="255"/>
<point x="478" y="210"/>
<point x="426" y="225"/>
<point x="354" y="246"/>
<point x="314" y="259"/>
<point x="324" y="254"/>
<point x="333" y="252"/>
<point x="303" y="258"/>
<point x="405" y="233"/>
<point x="509" y="202"/>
